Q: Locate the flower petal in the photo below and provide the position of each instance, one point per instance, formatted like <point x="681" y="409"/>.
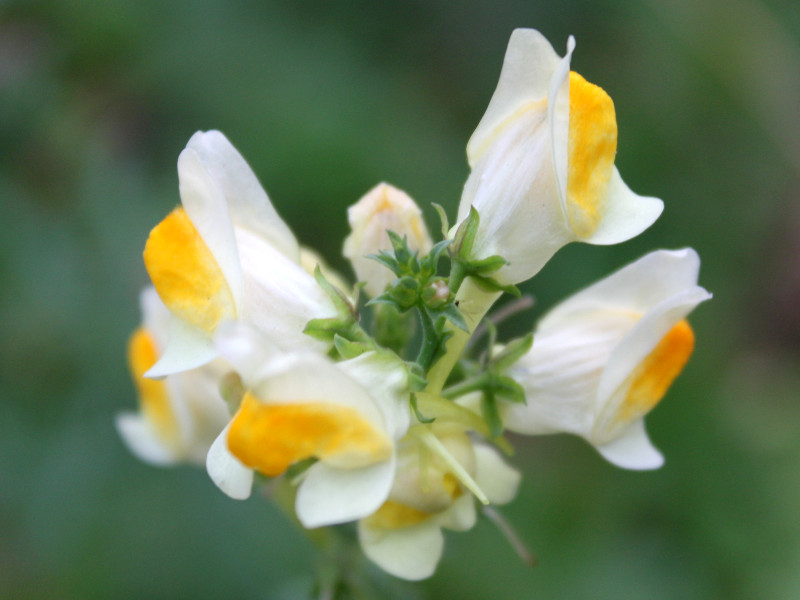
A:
<point x="643" y="338"/>
<point x="461" y="515"/>
<point x="188" y="347"/>
<point x="637" y="287"/>
<point x="207" y="209"/>
<point x="386" y="377"/>
<point x="632" y="449"/>
<point x="626" y="214"/>
<point x="328" y="495"/>
<point x="528" y="66"/>
<point x="410" y="552"/>
<point x="247" y="201"/>
<point x="245" y="348"/>
<point x="142" y="440"/>
<point x="225" y="470"/>
<point x="494" y="475"/>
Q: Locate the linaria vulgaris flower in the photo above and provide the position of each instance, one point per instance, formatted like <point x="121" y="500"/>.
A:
<point x="542" y="161"/>
<point x="227" y="255"/>
<point x="404" y="537"/>
<point x="179" y="416"/>
<point x="300" y="406"/>
<point x="602" y="359"/>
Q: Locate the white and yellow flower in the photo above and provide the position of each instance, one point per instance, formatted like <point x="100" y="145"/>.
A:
<point x="404" y="537"/>
<point x="347" y="416"/>
<point x="179" y="416"/>
<point x="542" y="161"/>
<point x="225" y="254"/>
<point x="384" y="208"/>
<point x="602" y="359"/>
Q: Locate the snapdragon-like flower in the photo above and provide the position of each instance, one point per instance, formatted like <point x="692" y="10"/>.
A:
<point x="384" y="208"/>
<point x="602" y="359"/>
<point x="225" y="254"/>
<point x="179" y="416"/>
<point x="542" y="161"/>
<point x="404" y="537"/>
<point x="346" y="416"/>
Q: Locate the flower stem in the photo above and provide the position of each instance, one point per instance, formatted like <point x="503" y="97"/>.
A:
<point x="474" y="303"/>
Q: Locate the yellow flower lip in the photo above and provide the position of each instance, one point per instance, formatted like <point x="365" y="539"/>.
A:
<point x="271" y="437"/>
<point x="154" y="399"/>
<point x="394" y="515"/>
<point x="653" y="376"/>
<point x="591" y="148"/>
<point x="185" y="273"/>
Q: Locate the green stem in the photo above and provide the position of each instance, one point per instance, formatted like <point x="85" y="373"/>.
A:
<point x="473" y="303"/>
<point x="430" y="339"/>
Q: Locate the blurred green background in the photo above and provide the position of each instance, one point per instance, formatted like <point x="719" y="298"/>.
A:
<point x="326" y="99"/>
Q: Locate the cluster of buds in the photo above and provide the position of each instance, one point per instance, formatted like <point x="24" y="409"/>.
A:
<point x="364" y="401"/>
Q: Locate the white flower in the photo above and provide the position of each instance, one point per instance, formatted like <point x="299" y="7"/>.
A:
<point x="227" y="255"/>
<point x="178" y="417"/>
<point x="404" y="537"/>
<point x="346" y="415"/>
<point x="542" y="161"/>
<point x="384" y="208"/>
<point x="605" y="357"/>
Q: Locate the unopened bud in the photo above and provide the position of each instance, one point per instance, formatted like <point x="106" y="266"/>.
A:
<point x="436" y="294"/>
<point x="382" y="209"/>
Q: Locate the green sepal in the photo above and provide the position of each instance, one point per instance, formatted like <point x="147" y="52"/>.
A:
<point x="349" y="349"/>
<point x="508" y="389"/>
<point x="420" y="417"/>
<point x="491" y="414"/>
<point x="340" y="301"/>
<point x="416" y="378"/>
<point x="513" y="351"/>
<point x="400" y="246"/>
<point x="442" y="219"/>
<point x="324" y="329"/>
<point x="452" y="314"/>
<point x="441" y="347"/>
<point x="465" y="235"/>
<point x="430" y="263"/>
<point x="485" y="266"/>
<point x="487" y="284"/>
<point x="388" y="261"/>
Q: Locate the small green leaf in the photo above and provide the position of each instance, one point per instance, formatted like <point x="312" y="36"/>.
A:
<point x="485" y="266"/>
<point x="442" y="218"/>
<point x="324" y="329"/>
<point x="491" y="414"/>
<point x="349" y="349"/>
<point x="454" y="315"/>
<point x="488" y="284"/>
<point x="420" y="417"/>
<point x="465" y="235"/>
<point x="513" y="351"/>
<point x="340" y="301"/>
<point x="509" y="389"/>
<point x="387" y="260"/>
<point x="400" y="245"/>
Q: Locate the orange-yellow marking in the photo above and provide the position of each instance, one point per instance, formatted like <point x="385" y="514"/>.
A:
<point x="271" y="437"/>
<point x="393" y="515"/>
<point x="591" y="149"/>
<point x="186" y="274"/>
<point x="654" y="375"/>
<point x="153" y="395"/>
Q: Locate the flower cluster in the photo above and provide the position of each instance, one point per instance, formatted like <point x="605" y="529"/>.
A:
<point x="364" y="401"/>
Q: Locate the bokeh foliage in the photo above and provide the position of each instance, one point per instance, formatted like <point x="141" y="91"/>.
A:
<point x="326" y="99"/>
